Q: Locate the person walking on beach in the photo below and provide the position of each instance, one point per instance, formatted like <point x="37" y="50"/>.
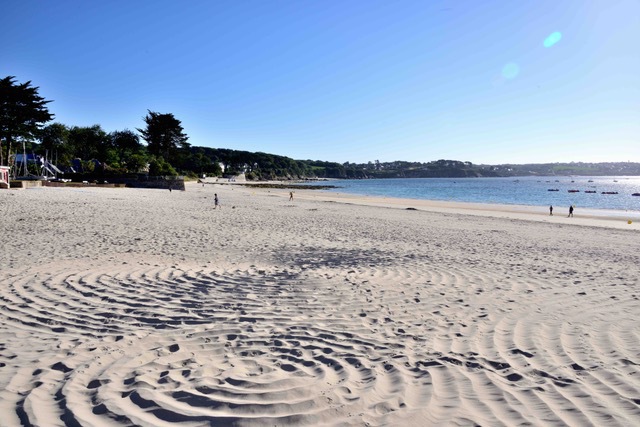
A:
<point x="290" y="195"/>
<point x="551" y="210"/>
<point x="570" y="211"/>
<point x="216" y="202"/>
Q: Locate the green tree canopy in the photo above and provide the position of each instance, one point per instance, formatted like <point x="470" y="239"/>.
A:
<point x="158" y="167"/>
<point x="165" y="137"/>
<point x="128" y="149"/>
<point x="89" y="142"/>
<point x="126" y="142"/>
<point x="55" y="138"/>
<point x="22" y="112"/>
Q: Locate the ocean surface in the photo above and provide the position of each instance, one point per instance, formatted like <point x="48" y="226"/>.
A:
<point x="532" y="191"/>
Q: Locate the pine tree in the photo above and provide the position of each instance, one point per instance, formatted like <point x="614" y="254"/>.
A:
<point x="22" y="112"/>
<point x="165" y="137"/>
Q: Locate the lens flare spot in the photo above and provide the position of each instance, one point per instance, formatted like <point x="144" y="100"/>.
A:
<point x="510" y="71"/>
<point x="552" y="39"/>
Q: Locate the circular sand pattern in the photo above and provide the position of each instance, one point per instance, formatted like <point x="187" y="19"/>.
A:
<point x="224" y="377"/>
<point x="294" y="347"/>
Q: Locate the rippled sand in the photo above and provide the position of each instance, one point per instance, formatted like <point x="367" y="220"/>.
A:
<point x="142" y="307"/>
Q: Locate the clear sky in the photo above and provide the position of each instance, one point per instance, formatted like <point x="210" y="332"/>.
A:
<point x="510" y="81"/>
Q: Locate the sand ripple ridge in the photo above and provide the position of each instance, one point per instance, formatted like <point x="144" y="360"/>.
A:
<point x="163" y="345"/>
<point x="277" y="330"/>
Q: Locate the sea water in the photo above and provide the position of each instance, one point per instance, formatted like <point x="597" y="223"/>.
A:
<point x="532" y="191"/>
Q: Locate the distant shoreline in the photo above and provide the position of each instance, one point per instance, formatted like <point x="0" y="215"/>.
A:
<point x="583" y="216"/>
<point x="277" y="185"/>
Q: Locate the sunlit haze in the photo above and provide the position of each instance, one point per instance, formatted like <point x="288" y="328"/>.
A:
<point x="481" y="81"/>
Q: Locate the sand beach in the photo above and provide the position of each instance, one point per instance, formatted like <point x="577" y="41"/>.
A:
<point x="140" y="307"/>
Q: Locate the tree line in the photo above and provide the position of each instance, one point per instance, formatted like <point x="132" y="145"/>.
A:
<point x="161" y="147"/>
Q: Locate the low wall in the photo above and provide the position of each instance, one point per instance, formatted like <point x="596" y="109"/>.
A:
<point x="169" y="182"/>
<point x="25" y="184"/>
<point x="80" y="184"/>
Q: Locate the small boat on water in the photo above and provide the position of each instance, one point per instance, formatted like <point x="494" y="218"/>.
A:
<point x="590" y="191"/>
<point x="636" y="194"/>
<point x="573" y="191"/>
<point x="553" y="189"/>
<point x="609" y="192"/>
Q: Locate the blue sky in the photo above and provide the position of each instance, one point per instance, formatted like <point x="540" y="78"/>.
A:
<point x="345" y="80"/>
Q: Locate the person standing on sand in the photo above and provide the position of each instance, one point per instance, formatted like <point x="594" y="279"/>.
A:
<point x="290" y="195"/>
<point x="551" y="210"/>
<point x="570" y="211"/>
<point x="216" y="202"/>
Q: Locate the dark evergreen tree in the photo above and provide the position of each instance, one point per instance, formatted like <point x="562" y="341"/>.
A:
<point x="22" y="113"/>
<point x="165" y="137"/>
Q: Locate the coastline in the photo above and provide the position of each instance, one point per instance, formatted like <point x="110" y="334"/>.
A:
<point x="433" y="200"/>
<point x="584" y="217"/>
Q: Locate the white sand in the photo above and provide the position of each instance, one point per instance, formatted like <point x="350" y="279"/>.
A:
<point x="144" y="307"/>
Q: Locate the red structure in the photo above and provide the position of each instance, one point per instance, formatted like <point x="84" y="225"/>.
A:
<point x="4" y="177"/>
